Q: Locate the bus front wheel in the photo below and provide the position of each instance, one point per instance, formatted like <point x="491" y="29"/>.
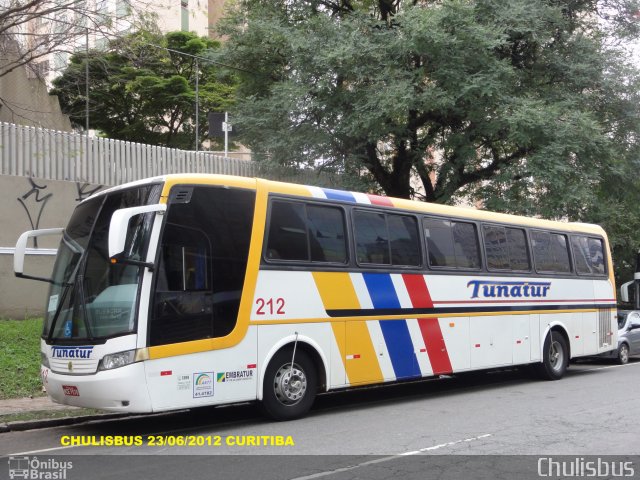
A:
<point x="555" y="357"/>
<point x="289" y="389"/>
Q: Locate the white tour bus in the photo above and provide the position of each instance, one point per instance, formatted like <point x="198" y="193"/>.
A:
<point x="189" y="290"/>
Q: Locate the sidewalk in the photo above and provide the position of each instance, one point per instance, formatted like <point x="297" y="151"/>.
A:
<point x="21" y="405"/>
<point x="46" y="414"/>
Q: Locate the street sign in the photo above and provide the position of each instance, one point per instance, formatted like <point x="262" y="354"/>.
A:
<point x="218" y="126"/>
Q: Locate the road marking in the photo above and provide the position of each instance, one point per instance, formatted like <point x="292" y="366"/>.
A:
<point x="40" y="451"/>
<point x="389" y="458"/>
<point x="608" y="366"/>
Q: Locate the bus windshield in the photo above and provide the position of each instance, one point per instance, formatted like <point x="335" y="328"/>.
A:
<point x="91" y="298"/>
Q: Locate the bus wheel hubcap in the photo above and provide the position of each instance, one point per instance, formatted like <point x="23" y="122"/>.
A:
<point x="556" y="356"/>
<point x="290" y="384"/>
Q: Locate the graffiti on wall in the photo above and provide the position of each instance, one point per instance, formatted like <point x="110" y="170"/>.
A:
<point x="33" y="203"/>
<point x="85" y="190"/>
<point x="35" y="200"/>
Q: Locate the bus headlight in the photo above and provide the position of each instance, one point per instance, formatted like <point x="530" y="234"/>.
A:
<point x="44" y="361"/>
<point x="117" y="360"/>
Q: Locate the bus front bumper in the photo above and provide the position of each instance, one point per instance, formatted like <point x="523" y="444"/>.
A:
<point x="121" y="389"/>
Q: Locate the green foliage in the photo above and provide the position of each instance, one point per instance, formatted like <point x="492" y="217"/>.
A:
<point x="20" y="361"/>
<point x="142" y="93"/>
<point x="455" y="93"/>
<point x="527" y="106"/>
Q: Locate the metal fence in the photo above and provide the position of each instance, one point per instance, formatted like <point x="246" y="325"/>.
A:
<point x="55" y="155"/>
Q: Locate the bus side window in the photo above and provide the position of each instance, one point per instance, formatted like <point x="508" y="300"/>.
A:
<point x="596" y="254"/>
<point x="403" y="236"/>
<point x="327" y="234"/>
<point x="452" y="244"/>
<point x="506" y="248"/>
<point x="581" y="254"/>
<point x="550" y="252"/>
<point x="372" y="238"/>
<point x="306" y="232"/>
<point x="588" y="254"/>
<point x="287" y="232"/>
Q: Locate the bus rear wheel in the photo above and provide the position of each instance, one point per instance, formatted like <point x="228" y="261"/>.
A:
<point x="289" y="390"/>
<point x="555" y="357"/>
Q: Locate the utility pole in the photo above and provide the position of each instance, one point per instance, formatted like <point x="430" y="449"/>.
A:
<point x="86" y="80"/>
<point x="226" y="133"/>
<point x="197" y="107"/>
<point x="636" y="278"/>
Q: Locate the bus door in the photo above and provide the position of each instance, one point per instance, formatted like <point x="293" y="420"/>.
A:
<point x="199" y="276"/>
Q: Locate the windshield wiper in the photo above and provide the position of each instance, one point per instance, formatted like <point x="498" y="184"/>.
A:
<point x="83" y="302"/>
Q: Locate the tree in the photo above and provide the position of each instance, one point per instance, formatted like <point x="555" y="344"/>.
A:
<point x="143" y="87"/>
<point x="522" y="104"/>
<point x="32" y="30"/>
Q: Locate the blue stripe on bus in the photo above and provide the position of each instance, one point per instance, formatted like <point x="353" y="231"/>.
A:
<point x="381" y="290"/>
<point x="395" y="332"/>
<point x="339" y="195"/>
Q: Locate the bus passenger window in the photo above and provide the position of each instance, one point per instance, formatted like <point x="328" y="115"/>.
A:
<point x="588" y="254"/>
<point x="452" y="244"/>
<point x="465" y="243"/>
<point x="439" y="242"/>
<point x="306" y="233"/>
<point x="287" y="232"/>
<point x="506" y="248"/>
<point x="326" y="234"/>
<point x="518" y="251"/>
<point x="372" y="238"/>
<point x="581" y="254"/>
<point x="550" y="252"/>
<point x="495" y="244"/>
<point x="403" y="236"/>
<point x="596" y="254"/>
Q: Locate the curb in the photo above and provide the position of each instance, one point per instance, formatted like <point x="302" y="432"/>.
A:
<point x="22" y="425"/>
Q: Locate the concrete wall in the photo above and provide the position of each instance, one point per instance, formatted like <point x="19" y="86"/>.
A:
<point x="29" y="204"/>
<point x="25" y="99"/>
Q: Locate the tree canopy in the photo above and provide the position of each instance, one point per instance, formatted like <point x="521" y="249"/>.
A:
<point x="523" y="106"/>
<point x="143" y="87"/>
<point x="518" y="103"/>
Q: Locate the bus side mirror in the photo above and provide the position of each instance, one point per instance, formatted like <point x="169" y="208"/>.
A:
<point x="624" y="291"/>
<point x="21" y="249"/>
<point x="120" y="224"/>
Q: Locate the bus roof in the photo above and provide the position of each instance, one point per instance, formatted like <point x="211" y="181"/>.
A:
<point x="308" y="191"/>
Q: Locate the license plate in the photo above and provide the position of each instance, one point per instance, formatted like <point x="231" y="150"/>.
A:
<point x="70" y="390"/>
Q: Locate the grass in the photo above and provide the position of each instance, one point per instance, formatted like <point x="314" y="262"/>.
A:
<point x="20" y="358"/>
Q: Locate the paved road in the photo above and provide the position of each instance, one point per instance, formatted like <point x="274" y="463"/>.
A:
<point x="500" y="413"/>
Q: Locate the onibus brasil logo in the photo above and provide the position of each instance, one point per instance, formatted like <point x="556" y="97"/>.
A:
<point x="34" y="468"/>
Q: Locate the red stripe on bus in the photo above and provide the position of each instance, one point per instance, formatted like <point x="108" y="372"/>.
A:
<point x="429" y="327"/>
<point x="418" y="291"/>
<point x="378" y="200"/>
<point x="523" y="300"/>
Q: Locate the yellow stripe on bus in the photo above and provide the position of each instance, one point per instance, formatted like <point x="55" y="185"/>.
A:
<point x="336" y="290"/>
<point x="361" y="358"/>
<point x="358" y="355"/>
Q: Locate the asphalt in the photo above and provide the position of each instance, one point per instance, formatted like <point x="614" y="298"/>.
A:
<point x="72" y="416"/>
